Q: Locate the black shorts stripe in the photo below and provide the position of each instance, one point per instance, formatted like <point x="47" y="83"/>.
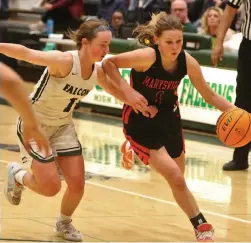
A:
<point x="41" y="87"/>
<point x="70" y="153"/>
<point x="32" y="153"/>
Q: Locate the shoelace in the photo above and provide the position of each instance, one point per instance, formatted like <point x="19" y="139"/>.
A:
<point x="67" y="227"/>
<point x="204" y="235"/>
<point x="17" y="192"/>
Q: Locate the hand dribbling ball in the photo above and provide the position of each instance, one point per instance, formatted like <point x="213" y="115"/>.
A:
<point x="233" y="127"/>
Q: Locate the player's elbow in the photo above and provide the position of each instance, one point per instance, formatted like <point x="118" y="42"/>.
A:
<point x="107" y="65"/>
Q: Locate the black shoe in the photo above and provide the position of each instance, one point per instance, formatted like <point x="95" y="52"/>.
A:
<point x="232" y="166"/>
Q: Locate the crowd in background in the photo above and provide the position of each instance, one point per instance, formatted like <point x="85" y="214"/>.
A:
<point x="197" y="16"/>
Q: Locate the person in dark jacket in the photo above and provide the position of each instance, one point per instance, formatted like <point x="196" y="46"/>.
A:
<point x="64" y="13"/>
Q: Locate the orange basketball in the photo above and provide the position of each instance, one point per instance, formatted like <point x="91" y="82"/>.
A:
<point x="233" y="127"/>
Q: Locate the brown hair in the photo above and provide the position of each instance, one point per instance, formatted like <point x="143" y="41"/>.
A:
<point x="88" y="30"/>
<point x="158" y="24"/>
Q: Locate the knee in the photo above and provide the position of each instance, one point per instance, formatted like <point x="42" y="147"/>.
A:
<point x="76" y="185"/>
<point x="51" y="188"/>
<point x="178" y="182"/>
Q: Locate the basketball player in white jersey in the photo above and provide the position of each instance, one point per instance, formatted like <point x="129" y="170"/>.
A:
<point x="13" y="90"/>
<point x="69" y="77"/>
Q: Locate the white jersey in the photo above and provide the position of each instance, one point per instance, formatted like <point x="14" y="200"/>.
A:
<point x="55" y="98"/>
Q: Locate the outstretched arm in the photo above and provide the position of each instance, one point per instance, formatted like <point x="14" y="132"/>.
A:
<point x="125" y="93"/>
<point x="195" y="74"/>
<point x="58" y="63"/>
<point x="13" y="90"/>
<point x="140" y="60"/>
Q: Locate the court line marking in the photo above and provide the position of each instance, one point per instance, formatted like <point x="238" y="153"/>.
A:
<point x="157" y="199"/>
<point x="165" y="201"/>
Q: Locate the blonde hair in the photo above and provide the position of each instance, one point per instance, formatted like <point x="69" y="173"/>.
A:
<point x="158" y="23"/>
<point x="88" y="30"/>
<point x="204" y="24"/>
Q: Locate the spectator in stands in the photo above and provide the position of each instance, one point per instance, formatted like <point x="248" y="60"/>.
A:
<point x="210" y="22"/>
<point x="65" y="13"/>
<point x="198" y="7"/>
<point x="108" y="7"/>
<point x="215" y="3"/>
<point x="4" y="5"/>
<point x="140" y="11"/>
<point x="118" y="18"/>
<point x="179" y="9"/>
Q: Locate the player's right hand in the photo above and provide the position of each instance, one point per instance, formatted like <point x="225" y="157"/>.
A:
<point x="217" y="54"/>
<point x="33" y="132"/>
<point x="139" y="104"/>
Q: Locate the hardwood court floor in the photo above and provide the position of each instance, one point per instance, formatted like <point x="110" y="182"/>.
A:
<point x="132" y="206"/>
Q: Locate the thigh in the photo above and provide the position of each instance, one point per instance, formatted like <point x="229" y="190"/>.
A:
<point x="33" y="153"/>
<point x="175" y="146"/>
<point x="180" y="161"/>
<point x="43" y="167"/>
<point x="68" y="152"/>
<point x="161" y="161"/>
<point x="46" y="174"/>
<point x="73" y="169"/>
<point x="65" y="141"/>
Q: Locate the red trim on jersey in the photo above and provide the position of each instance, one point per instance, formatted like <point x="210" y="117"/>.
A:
<point x="124" y="110"/>
<point x="127" y="115"/>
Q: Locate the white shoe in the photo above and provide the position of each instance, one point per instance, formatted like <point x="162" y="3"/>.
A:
<point x="204" y="233"/>
<point x="13" y="190"/>
<point x="66" y="230"/>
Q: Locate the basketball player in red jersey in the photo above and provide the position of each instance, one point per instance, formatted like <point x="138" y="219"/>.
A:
<point x="156" y="73"/>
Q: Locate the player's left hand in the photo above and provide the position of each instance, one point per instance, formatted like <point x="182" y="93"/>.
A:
<point x="138" y="102"/>
<point x="152" y="111"/>
<point x="33" y="132"/>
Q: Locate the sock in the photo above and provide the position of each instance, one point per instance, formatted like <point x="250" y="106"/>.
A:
<point x="63" y="217"/>
<point x="19" y="176"/>
<point x="197" y="220"/>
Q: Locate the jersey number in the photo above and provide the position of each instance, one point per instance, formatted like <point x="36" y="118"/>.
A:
<point x="159" y="97"/>
<point x="69" y="106"/>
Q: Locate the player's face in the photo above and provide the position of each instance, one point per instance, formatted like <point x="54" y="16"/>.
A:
<point x="99" y="46"/>
<point x="170" y="43"/>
